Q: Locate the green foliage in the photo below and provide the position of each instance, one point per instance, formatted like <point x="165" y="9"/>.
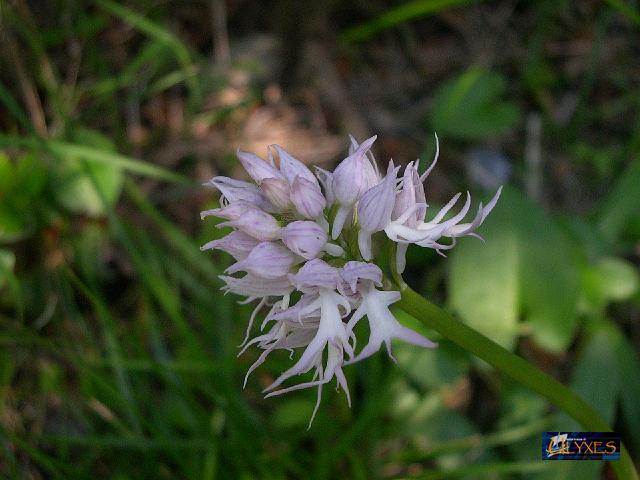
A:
<point x="398" y="16"/>
<point x="72" y="177"/>
<point x="21" y="186"/>
<point x="609" y="280"/>
<point x="469" y="107"/>
<point x="620" y="212"/>
<point x="118" y="353"/>
<point x="528" y="270"/>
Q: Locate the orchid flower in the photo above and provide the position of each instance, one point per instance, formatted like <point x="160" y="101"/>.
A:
<point x="295" y="229"/>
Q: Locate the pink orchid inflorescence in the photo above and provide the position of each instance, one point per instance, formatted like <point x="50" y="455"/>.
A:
<point x="296" y="231"/>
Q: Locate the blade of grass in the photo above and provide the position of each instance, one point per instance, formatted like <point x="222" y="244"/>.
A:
<point x="398" y="15"/>
<point x="480" y="471"/>
<point x="166" y="297"/>
<point x="113" y="349"/>
<point x="91" y="154"/>
<point x="185" y="246"/>
<point x="14" y="108"/>
<point x="138" y="443"/>
<point x="626" y="10"/>
<point x="160" y="34"/>
<point x="481" y="442"/>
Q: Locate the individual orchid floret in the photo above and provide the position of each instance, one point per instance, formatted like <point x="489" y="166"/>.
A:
<point x="293" y="168"/>
<point x="314" y="275"/>
<point x="307" y="198"/>
<point x="331" y="334"/>
<point x="282" y="335"/>
<point x="231" y="211"/>
<point x="353" y="272"/>
<point x="278" y="192"/>
<point x="326" y="179"/>
<point x="305" y="238"/>
<point x="267" y="260"/>
<point x="237" y="244"/>
<point x="383" y="325"/>
<point x="306" y="311"/>
<point x="256" y="223"/>
<point x="411" y="198"/>
<point x="255" y="287"/>
<point x="257" y="168"/>
<point x="374" y="210"/>
<point x="351" y="178"/>
<point x="236" y="190"/>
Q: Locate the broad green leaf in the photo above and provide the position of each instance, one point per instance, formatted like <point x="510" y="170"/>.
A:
<point x="610" y="279"/>
<point x="622" y="204"/>
<point x="484" y="285"/>
<point x="526" y="268"/>
<point x="470" y="106"/>
<point x="72" y="178"/>
<point x="597" y="376"/>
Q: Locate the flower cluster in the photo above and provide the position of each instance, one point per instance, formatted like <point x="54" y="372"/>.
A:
<point x="305" y="236"/>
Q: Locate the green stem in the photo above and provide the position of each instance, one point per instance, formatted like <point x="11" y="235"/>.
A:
<point x="514" y="366"/>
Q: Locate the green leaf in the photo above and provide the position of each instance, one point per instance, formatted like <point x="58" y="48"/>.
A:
<point x="7" y="262"/>
<point x="597" y="377"/>
<point x="91" y="154"/>
<point x="469" y="106"/>
<point x="610" y="279"/>
<point x="526" y="268"/>
<point x="629" y="368"/>
<point x="484" y="285"/>
<point x="72" y="182"/>
<point x="622" y="204"/>
<point x="21" y="184"/>
<point x="293" y="413"/>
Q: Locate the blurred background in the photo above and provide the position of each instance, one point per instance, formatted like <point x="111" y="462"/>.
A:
<point x="118" y="352"/>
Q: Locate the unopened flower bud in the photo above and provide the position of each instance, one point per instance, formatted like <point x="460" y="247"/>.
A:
<point x="304" y="238"/>
<point x="234" y="190"/>
<point x="374" y="210"/>
<point x="258" y="224"/>
<point x="232" y="211"/>
<point x="315" y="274"/>
<point x="307" y="198"/>
<point x="256" y="167"/>
<point x="237" y="244"/>
<point x="278" y="192"/>
<point x="351" y="178"/>
<point x="267" y="260"/>
<point x="291" y="167"/>
<point x="326" y="179"/>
